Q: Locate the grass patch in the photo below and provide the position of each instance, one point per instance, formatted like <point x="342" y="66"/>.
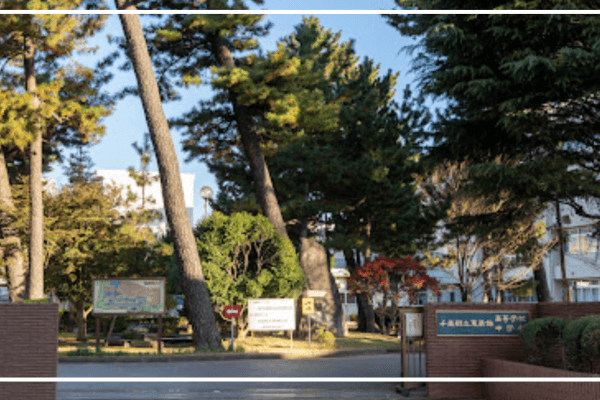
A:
<point x="260" y="343"/>
<point x="361" y="340"/>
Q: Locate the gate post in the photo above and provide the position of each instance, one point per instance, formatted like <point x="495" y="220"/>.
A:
<point x="410" y="328"/>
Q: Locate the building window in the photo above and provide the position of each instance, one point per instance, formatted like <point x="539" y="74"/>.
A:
<point x="587" y="291"/>
<point x="580" y="240"/>
<point x="452" y="297"/>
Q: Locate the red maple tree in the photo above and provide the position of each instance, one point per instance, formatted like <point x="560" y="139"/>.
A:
<point x="392" y="279"/>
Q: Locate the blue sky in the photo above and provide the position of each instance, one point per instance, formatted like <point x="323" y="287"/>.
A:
<point x="373" y="38"/>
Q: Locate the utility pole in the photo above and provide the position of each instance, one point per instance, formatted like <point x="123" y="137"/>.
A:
<point x="559" y="232"/>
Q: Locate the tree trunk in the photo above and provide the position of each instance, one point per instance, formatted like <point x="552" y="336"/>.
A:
<point x="541" y="289"/>
<point x="36" y="244"/>
<point x="206" y="333"/>
<point x="13" y="253"/>
<point x="464" y="294"/>
<point x="81" y="325"/>
<point x="310" y="252"/>
<point x="313" y="259"/>
<point x="260" y="171"/>
<point x="487" y="279"/>
<point x="366" y="314"/>
<point x="499" y="283"/>
<point x="110" y="329"/>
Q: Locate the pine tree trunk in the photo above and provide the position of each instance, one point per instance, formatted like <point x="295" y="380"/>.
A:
<point x="366" y="314"/>
<point x="13" y="253"/>
<point x="36" y="244"/>
<point x="313" y="259"/>
<point x="206" y="333"/>
<point x="263" y="186"/>
<point x="260" y="171"/>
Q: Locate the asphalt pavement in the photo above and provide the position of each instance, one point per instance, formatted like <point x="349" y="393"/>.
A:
<point x="356" y="367"/>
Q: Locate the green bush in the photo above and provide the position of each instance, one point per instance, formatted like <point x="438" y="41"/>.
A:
<point x="325" y="337"/>
<point x="549" y="326"/>
<point x="589" y="343"/>
<point x="540" y="335"/>
<point x="36" y="301"/>
<point x="170" y="325"/>
<point x="131" y="335"/>
<point x="244" y="257"/>
<point x="572" y="340"/>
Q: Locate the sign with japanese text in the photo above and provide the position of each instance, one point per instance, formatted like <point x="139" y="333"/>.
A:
<point x="271" y="314"/>
<point x="480" y="323"/>
<point x="413" y="324"/>
<point x="308" y="306"/>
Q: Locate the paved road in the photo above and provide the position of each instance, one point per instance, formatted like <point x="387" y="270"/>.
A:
<point x="366" y="366"/>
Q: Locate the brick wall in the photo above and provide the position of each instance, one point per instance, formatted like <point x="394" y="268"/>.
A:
<point x="461" y="356"/>
<point x="28" y="348"/>
<point x="568" y="311"/>
<point x="535" y="390"/>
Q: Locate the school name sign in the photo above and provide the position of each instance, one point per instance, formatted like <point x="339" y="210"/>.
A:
<point x="480" y="323"/>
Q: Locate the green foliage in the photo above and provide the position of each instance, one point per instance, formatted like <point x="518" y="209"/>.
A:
<point x="82" y="351"/>
<point x="574" y="329"/>
<point x="573" y="340"/>
<point x="521" y="95"/>
<point x="86" y="238"/>
<point x="243" y="257"/>
<point x="143" y="179"/>
<point x="70" y="101"/>
<point x="325" y="337"/>
<point x="542" y="328"/>
<point x="335" y="142"/>
<point x="36" y="301"/>
<point x="590" y="339"/>
<point x="80" y="166"/>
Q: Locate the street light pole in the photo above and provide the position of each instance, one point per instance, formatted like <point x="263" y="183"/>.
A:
<point x="206" y="193"/>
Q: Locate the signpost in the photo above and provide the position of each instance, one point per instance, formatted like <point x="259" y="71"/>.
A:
<point x="308" y="308"/>
<point x="232" y="311"/>
<point x="129" y="296"/>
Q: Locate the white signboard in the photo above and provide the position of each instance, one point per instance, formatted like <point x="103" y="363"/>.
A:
<point x="414" y="324"/>
<point x="316" y="293"/>
<point x="271" y="314"/>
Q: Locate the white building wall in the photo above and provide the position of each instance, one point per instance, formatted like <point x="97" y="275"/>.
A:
<point x="122" y="179"/>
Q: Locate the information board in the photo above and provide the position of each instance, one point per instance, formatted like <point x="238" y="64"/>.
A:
<point x="129" y="296"/>
<point x="271" y="314"/>
<point x="480" y="323"/>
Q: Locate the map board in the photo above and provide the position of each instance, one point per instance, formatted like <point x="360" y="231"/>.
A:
<point x="271" y="314"/>
<point x="129" y="296"/>
<point x="481" y="323"/>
